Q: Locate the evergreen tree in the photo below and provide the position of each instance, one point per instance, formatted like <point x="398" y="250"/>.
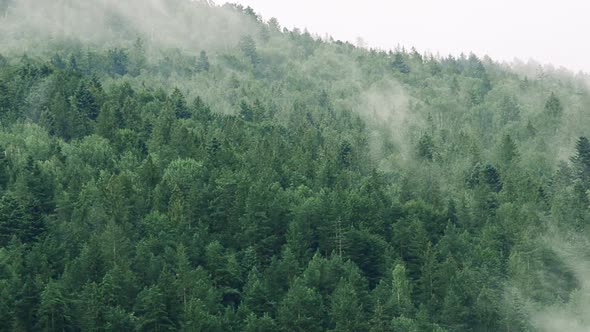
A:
<point x="260" y="324"/>
<point x="203" y="63"/>
<point x="426" y="148"/>
<point x="118" y="61"/>
<point x="553" y="106"/>
<point x="581" y="161"/>
<point x="248" y="48"/>
<point x="404" y="324"/>
<point x="399" y="63"/>
<point x="510" y="110"/>
<point x="256" y="296"/>
<point x="178" y="104"/>
<point x="14" y="220"/>
<point x="508" y="153"/>
<point x="197" y="317"/>
<point x="301" y="191"/>
<point x="151" y="311"/>
<point x="54" y="310"/>
<point x="302" y="309"/>
<point x="120" y="320"/>
<point x="86" y="102"/>
<point x="4" y="169"/>
<point x="346" y="311"/>
<point x="137" y="57"/>
<point x="26" y="305"/>
<point x="4" y="98"/>
<point x="401" y="300"/>
<point x="492" y="178"/>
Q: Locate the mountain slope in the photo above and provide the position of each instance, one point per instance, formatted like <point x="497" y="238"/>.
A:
<point x="174" y="165"/>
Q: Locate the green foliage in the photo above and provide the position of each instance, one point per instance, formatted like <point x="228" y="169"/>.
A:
<point x="346" y="310"/>
<point x="553" y="106"/>
<point x="151" y="311"/>
<point x="426" y="147"/>
<point x="581" y="161"/>
<point x="508" y="152"/>
<point x="118" y="61"/>
<point x="248" y="47"/>
<point x="203" y="63"/>
<point x="53" y="309"/>
<point x="15" y="221"/>
<point x="302" y="309"/>
<point x="279" y="182"/>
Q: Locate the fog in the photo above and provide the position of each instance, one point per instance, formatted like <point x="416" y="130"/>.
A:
<point x="386" y="105"/>
<point x="547" y="31"/>
<point x="573" y="314"/>
<point x="189" y="26"/>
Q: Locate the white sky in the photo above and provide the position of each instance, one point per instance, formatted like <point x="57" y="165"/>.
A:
<point x="549" y="31"/>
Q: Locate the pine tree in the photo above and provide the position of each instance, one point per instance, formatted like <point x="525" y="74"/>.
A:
<point x="151" y="310"/>
<point x="401" y="292"/>
<point x="4" y="98"/>
<point x="301" y="310"/>
<point x="248" y="48"/>
<point x="379" y="321"/>
<point x="399" y="63"/>
<point x="119" y="61"/>
<point x="428" y="284"/>
<point x="178" y="104"/>
<point x="4" y="169"/>
<point x="454" y="312"/>
<point x="346" y="311"/>
<point x="553" y="106"/>
<point x="26" y="305"/>
<point x="108" y="121"/>
<point x="260" y="324"/>
<point x="16" y="220"/>
<point x="86" y="102"/>
<point x="6" y="306"/>
<point x="54" y="311"/>
<point x="91" y="310"/>
<point x="492" y="178"/>
<point x="426" y="147"/>
<point x="137" y="57"/>
<point x="404" y="324"/>
<point x="508" y="153"/>
<point x="581" y="161"/>
<point x="256" y="295"/>
<point x="118" y="319"/>
<point x="183" y="276"/>
<point x="510" y="110"/>
<point x="203" y="62"/>
<point x="197" y="317"/>
<point x="486" y="310"/>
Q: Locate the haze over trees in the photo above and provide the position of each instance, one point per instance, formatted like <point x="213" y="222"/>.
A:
<point x="177" y="165"/>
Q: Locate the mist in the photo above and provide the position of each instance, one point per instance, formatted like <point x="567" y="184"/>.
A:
<point x="189" y="26"/>
<point x="571" y="314"/>
<point x="164" y="160"/>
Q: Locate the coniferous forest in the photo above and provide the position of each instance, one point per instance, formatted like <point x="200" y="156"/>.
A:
<point x="171" y="165"/>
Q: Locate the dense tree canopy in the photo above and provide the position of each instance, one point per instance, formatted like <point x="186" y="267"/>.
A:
<point x="281" y="182"/>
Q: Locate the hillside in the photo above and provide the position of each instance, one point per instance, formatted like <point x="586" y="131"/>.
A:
<point x="173" y="165"/>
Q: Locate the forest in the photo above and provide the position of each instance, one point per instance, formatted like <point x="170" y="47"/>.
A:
<point x="175" y="165"/>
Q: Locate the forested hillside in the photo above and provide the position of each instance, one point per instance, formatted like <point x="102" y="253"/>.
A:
<point x="172" y="165"/>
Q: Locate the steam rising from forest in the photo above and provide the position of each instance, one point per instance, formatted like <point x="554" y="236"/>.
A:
<point x="385" y="107"/>
<point x="572" y="313"/>
<point x="190" y="27"/>
<point x="181" y="24"/>
<point x="406" y="132"/>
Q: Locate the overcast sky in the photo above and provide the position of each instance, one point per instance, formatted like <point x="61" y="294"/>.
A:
<point x="556" y="32"/>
